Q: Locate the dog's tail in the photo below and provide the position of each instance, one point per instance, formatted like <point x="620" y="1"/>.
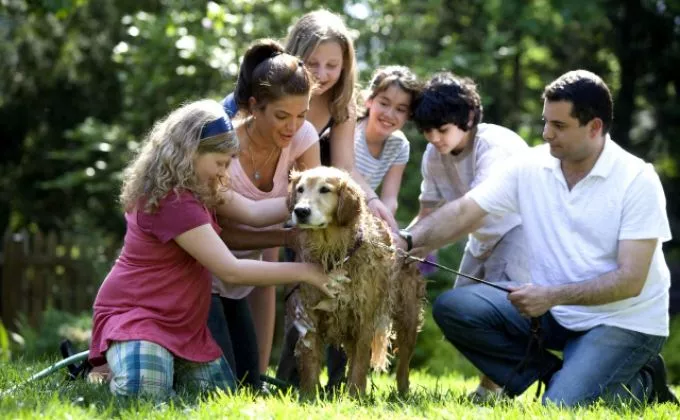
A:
<point x="380" y="357"/>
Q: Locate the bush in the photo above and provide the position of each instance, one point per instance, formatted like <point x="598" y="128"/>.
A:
<point x="436" y="355"/>
<point x="55" y="326"/>
<point x="433" y="353"/>
<point x="5" y="352"/>
<point x="671" y="352"/>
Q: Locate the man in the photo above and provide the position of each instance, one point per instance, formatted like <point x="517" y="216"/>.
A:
<point x="461" y="153"/>
<point x="594" y="218"/>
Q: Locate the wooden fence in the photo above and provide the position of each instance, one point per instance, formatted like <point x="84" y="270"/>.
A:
<point x="41" y="270"/>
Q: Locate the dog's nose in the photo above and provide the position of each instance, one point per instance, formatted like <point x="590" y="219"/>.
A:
<point x="302" y="212"/>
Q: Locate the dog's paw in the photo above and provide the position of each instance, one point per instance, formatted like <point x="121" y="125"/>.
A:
<point x="337" y="279"/>
<point x="326" y="305"/>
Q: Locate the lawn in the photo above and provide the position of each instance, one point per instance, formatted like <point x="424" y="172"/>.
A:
<point x="431" y="397"/>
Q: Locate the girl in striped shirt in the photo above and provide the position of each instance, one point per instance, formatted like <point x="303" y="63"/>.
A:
<point x="381" y="150"/>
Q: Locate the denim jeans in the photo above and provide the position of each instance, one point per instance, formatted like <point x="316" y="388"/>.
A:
<point x="603" y="362"/>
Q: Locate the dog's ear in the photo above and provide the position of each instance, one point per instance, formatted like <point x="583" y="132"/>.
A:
<point x="294" y="178"/>
<point x="349" y="204"/>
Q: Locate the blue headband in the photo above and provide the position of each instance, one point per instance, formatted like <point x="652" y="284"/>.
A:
<point x="222" y="125"/>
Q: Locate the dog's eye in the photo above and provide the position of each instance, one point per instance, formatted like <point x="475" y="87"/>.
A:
<point x="324" y="190"/>
<point x="300" y="189"/>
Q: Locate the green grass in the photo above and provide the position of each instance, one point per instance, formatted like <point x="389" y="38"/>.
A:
<point x="431" y="397"/>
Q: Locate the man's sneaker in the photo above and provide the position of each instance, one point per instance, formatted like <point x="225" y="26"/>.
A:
<point x="661" y="393"/>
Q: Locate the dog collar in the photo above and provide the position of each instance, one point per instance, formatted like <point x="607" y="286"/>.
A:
<point x="358" y="241"/>
<point x="357" y="244"/>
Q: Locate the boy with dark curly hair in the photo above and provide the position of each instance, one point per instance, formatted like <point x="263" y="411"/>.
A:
<point x="461" y="153"/>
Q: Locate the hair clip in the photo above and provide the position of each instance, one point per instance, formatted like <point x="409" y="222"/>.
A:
<point x="222" y="125"/>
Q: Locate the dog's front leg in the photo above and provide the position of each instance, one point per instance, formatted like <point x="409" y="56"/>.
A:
<point x="360" y="360"/>
<point x="308" y="353"/>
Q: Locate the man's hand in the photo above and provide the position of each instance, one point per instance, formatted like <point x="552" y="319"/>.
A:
<point x="399" y="242"/>
<point x="531" y="300"/>
<point x="420" y="252"/>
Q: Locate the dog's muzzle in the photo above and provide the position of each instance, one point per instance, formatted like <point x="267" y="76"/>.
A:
<point x="302" y="214"/>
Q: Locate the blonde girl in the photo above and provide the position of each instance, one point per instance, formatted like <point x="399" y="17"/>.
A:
<point x="151" y="311"/>
<point x="324" y="43"/>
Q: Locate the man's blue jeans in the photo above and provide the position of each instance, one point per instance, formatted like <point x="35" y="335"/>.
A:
<point x="602" y="362"/>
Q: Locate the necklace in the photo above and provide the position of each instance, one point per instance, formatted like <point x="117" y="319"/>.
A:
<point x="256" y="171"/>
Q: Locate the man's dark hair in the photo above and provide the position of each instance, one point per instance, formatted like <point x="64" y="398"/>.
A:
<point x="589" y="95"/>
<point x="448" y="99"/>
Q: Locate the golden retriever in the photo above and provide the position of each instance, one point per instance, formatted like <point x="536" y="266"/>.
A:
<point x="378" y="296"/>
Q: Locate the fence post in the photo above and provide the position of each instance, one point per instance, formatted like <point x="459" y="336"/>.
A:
<point x="12" y="275"/>
<point x="54" y="287"/>
<point x="39" y="268"/>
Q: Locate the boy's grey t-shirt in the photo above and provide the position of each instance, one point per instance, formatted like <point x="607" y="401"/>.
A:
<point x="449" y="177"/>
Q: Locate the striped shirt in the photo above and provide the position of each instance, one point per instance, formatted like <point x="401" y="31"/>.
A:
<point x="395" y="151"/>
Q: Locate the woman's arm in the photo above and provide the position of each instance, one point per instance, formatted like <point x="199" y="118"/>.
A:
<point x="376" y="206"/>
<point x="390" y="187"/>
<point x="241" y="237"/>
<point x="342" y="157"/>
<point x="207" y="248"/>
<point x="256" y="213"/>
<point x="342" y="145"/>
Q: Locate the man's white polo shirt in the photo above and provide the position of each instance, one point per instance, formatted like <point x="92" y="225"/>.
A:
<point x="574" y="235"/>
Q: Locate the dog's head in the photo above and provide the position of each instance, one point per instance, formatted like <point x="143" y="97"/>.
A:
<point x="323" y="196"/>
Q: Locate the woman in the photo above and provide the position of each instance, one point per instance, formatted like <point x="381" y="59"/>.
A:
<point x="272" y="94"/>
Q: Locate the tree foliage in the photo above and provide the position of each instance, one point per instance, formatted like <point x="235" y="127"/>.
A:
<point x="81" y="80"/>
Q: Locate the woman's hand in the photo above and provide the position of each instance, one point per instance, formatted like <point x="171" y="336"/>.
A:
<point x="378" y="208"/>
<point x="255" y="213"/>
<point x="290" y="236"/>
<point x="318" y="278"/>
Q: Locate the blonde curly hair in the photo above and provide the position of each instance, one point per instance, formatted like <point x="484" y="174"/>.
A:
<point x="165" y="161"/>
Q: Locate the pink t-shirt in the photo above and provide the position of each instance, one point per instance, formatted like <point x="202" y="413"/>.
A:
<point x="305" y="137"/>
<point x="156" y="291"/>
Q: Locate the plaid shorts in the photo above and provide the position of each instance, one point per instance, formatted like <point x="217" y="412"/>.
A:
<point x="142" y="367"/>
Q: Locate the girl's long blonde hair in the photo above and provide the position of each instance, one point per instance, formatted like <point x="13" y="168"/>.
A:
<point x="322" y="26"/>
<point x="165" y="162"/>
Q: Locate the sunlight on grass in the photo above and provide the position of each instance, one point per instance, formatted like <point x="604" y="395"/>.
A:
<point x="431" y="397"/>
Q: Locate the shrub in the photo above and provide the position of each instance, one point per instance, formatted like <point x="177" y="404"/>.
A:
<point x="671" y="352"/>
<point x="433" y="353"/>
<point x="55" y="325"/>
<point x="5" y="352"/>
